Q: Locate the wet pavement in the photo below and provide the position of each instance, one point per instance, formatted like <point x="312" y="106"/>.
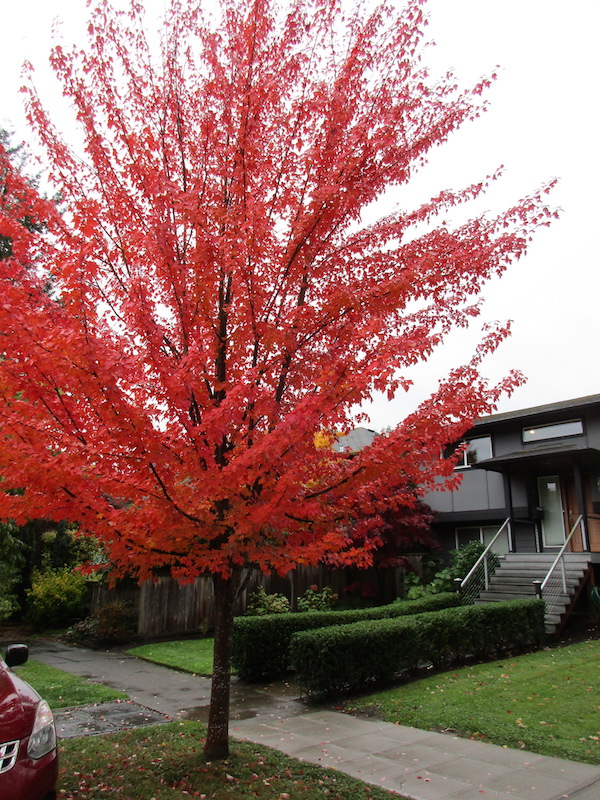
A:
<point x="101" y="718"/>
<point x="160" y="693"/>
<point x="420" y="765"/>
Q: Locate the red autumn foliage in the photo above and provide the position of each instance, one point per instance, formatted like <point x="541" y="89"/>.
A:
<point x="219" y="298"/>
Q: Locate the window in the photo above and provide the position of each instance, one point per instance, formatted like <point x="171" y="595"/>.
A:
<point x="557" y="430"/>
<point x="483" y="534"/>
<point x="477" y="450"/>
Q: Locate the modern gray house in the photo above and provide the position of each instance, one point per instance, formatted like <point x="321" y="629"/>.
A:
<point x="538" y="468"/>
<point x="531" y="488"/>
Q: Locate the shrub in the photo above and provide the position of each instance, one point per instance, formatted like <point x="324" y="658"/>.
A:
<point x="261" y="645"/>
<point x="83" y="632"/>
<point x="442" y="582"/>
<point x="315" y="600"/>
<point x="342" y="658"/>
<point x="114" y="623"/>
<point x="56" y="597"/>
<point x="261" y="603"/>
<point x="463" y="560"/>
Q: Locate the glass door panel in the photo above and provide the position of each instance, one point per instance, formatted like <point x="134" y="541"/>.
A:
<point x="553" y="529"/>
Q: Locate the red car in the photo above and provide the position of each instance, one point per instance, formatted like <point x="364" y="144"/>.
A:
<point x="28" y="760"/>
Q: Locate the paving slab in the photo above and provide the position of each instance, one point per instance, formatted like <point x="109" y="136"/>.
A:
<point x="104" y="718"/>
<point x="591" y="792"/>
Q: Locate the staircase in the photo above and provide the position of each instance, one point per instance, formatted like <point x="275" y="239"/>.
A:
<point x="515" y="575"/>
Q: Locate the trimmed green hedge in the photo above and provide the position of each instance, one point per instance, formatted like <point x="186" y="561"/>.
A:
<point x="346" y="657"/>
<point x="261" y="645"/>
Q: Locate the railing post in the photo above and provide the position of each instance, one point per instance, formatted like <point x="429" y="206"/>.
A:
<point x="538" y="589"/>
<point x="486" y="573"/>
<point x="458" y="585"/>
<point x="585" y="536"/>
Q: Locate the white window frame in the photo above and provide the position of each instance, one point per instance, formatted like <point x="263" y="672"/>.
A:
<point x="464" y="463"/>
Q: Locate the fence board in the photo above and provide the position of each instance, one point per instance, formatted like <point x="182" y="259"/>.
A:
<point x="166" y="608"/>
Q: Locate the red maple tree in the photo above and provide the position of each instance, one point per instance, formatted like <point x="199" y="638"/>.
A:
<point x="219" y="299"/>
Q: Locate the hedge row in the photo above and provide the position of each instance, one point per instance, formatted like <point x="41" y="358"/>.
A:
<point x="261" y="645"/>
<point x="346" y="657"/>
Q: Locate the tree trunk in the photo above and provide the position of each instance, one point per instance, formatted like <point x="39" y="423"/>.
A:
<point x="217" y="739"/>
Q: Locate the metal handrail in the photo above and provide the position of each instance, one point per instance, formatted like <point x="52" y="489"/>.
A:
<point x="560" y="557"/>
<point x="466" y="579"/>
<point x="484" y="558"/>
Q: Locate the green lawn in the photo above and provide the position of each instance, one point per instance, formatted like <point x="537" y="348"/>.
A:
<point x="62" y="690"/>
<point x="166" y="762"/>
<point x="189" y="655"/>
<point x="547" y="702"/>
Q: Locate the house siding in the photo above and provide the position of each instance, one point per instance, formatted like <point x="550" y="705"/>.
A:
<point x="506" y="484"/>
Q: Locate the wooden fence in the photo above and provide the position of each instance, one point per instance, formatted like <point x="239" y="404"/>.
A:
<point x="164" y="607"/>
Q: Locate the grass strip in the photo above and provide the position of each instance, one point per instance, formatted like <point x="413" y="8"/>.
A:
<point x="547" y="702"/>
<point x="188" y="655"/>
<point x="166" y="762"/>
<point x="63" y="690"/>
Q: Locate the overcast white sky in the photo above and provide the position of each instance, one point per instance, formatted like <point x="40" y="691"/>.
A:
<point x="542" y="123"/>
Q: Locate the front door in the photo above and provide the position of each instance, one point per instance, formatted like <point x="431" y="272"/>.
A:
<point x="550" y="496"/>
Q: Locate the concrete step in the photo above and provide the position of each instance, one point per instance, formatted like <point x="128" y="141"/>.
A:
<point x="488" y="596"/>
<point x="516" y="572"/>
<point x="541" y="562"/>
<point x="541" y="557"/>
<point x="527" y="571"/>
<point x="500" y="577"/>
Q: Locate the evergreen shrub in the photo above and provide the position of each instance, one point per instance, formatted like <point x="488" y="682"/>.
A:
<point x="261" y="645"/>
<point x="347" y="657"/>
<point x="56" y="597"/>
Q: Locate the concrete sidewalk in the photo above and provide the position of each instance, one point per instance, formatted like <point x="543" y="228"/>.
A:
<point x="417" y="764"/>
<point x="421" y="764"/>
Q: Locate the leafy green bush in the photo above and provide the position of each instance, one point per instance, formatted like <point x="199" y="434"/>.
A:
<point x="414" y="589"/>
<point x="463" y="560"/>
<point x="261" y="645"/>
<point x="315" y="600"/>
<point x="345" y="657"/>
<point x="56" y="597"/>
<point x="113" y="623"/>
<point x="261" y="603"/>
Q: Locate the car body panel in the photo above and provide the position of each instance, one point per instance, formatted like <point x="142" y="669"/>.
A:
<point x="27" y="778"/>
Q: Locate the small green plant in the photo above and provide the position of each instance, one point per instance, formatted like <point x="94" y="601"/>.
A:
<point x="463" y="560"/>
<point x="414" y="589"/>
<point x="315" y="600"/>
<point x="114" y="623"/>
<point x="56" y="597"/>
<point x="261" y="603"/>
